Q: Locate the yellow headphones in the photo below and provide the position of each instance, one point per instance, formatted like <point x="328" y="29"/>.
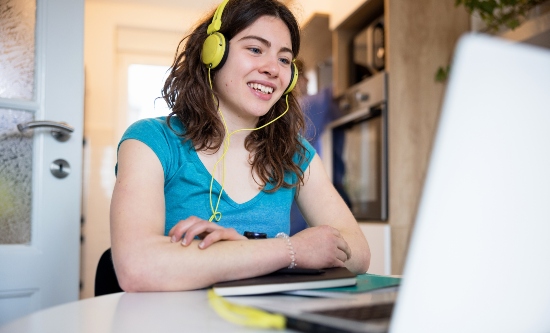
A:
<point x="215" y="48"/>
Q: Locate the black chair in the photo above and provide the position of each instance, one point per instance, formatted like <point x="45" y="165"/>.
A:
<point x="106" y="281"/>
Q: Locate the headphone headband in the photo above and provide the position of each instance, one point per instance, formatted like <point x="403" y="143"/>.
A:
<point x="217" y="19"/>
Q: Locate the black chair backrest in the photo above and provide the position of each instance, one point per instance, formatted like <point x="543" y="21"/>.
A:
<point x="105" y="277"/>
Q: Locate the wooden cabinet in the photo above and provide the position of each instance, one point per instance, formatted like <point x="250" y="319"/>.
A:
<point x="420" y="37"/>
<point x="316" y="43"/>
<point x="342" y="38"/>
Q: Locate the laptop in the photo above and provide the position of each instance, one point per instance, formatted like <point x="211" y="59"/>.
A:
<point x="479" y="254"/>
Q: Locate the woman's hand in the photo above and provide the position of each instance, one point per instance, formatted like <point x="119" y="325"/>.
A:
<point x="320" y="247"/>
<point x="209" y="232"/>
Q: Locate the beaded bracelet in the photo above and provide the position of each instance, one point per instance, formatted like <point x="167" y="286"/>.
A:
<point x="290" y="249"/>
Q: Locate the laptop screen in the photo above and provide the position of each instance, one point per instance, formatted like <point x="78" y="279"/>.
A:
<point x="479" y="253"/>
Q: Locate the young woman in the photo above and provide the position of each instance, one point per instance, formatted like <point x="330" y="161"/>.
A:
<point x="228" y="159"/>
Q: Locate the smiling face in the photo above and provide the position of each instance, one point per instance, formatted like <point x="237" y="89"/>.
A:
<point x="256" y="73"/>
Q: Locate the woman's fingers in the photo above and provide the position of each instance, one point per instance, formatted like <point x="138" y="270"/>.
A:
<point x="344" y="247"/>
<point x="321" y="247"/>
<point x="177" y="231"/>
<point x="200" y="229"/>
<point x="220" y="235"/>
<point x="209" y="232"/>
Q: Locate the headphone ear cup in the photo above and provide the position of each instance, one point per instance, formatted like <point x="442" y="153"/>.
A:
<point x="293" y="79"/>
<point x="214" y="50"/>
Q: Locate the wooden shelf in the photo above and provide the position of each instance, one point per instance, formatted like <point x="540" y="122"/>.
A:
<point x="534" y="31"/>
<point x="366" y="13"/>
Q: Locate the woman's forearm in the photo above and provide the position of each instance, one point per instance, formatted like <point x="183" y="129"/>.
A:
<point x="156" y="264"/>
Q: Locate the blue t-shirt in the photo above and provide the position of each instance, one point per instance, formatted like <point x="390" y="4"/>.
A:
<point x="187" y="183"/>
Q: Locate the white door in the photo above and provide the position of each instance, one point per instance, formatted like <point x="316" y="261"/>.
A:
<point x="41" y="79"/>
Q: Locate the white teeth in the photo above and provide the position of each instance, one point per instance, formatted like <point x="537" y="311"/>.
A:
<point x="261" y="87"/>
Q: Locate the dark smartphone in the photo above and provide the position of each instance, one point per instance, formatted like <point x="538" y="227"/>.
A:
<point x="254" y="235"/>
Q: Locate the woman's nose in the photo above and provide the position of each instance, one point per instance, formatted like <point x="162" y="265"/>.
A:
<point x="270" y="67"/>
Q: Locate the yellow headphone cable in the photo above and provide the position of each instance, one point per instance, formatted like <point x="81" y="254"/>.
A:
<point x="217" y="215"/>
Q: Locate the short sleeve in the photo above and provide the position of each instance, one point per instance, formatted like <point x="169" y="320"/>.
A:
<point x="154" y="133"/>
<point x="308" y="154"/>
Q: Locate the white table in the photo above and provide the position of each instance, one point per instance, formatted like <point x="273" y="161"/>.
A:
<point x="130" y="312"/>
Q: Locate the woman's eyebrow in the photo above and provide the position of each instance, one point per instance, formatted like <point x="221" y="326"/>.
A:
<point x="267" y="43"/>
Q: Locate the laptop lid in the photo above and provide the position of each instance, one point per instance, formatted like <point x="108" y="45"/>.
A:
<point x="479" y="255"/>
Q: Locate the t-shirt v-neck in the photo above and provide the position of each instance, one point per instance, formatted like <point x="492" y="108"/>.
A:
<point x="217" y="186"/>
<point x="187" y="183"/>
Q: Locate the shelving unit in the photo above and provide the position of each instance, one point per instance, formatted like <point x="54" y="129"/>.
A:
<point x="419" y="37"/>
<point x="342" y="38"/>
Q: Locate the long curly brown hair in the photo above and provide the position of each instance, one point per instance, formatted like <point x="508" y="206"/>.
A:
<point x="189" y="96"/>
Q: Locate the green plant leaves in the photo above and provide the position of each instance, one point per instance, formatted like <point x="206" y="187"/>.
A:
<point x="442" y="74"/>
<point x="495" y="14"/>
<point x="499" y="13"/>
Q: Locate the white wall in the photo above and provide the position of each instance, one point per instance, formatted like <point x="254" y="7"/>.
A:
<point x="379" y="238"/>
<point x="304" y="9"/>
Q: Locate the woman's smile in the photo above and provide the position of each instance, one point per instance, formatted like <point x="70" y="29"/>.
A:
<point x="261" y="88"/>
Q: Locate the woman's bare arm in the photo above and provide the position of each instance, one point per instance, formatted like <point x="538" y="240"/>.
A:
<point x="146" y="260"/>
<point x="321" y="205"/>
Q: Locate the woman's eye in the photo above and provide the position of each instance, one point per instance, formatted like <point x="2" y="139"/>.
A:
<point x="255" y="50"/>
<point x="285" y="61"/>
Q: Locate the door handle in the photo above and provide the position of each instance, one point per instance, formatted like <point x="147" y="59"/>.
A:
<point x="61" y="131"/>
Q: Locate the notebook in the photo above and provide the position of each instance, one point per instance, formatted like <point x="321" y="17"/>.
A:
<point x="479" y="254"/>
<point x="365" y="283"/>
<point x="287" y="280"/>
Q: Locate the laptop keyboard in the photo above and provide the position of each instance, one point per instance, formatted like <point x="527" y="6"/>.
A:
<point x="361" y="313"/>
